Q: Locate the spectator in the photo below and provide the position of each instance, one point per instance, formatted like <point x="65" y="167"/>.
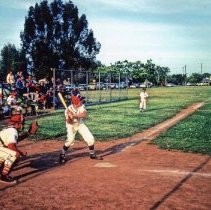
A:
<point x="49" y="83"/>
<point x="65" y="82"/>
<point x="31" y="106"/>
<point x="11" y="100"/>
<point x="19" y="74"/>
<point x="49" y="100"/>
<point x="20" y="85"/>
<point x="5" y="109"/>
<point x="41" y="101"/>
<point x="42" y="87"/>
<point x="30" y="84"/>
<point x="10" y="79"/>
<point x="14" y="103"/>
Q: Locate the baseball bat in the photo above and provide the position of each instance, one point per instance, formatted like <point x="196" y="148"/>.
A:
<point x="62" y="100"/>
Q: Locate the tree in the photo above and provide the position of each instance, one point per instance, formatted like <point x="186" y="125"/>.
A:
<point x="140" y="72"/>
<point x="55" y="36"/>
<point x="177" y="79"/>
<point x="195" y="78"/>
<point x="150" y="71"/>
<point x="12" y="59"/>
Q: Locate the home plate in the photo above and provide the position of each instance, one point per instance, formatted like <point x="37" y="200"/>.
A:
<point x="105" y="165"/>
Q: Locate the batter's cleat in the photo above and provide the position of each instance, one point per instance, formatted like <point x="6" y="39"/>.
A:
<point x="8" y="179"/>
<point x="95" y="157"/>
<point x="62" y="158"/>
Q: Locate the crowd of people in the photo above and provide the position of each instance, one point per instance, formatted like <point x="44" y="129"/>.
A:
<point x="28" y="93"/>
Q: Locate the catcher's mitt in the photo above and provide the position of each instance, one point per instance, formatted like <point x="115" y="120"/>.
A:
<point x="33" y="127"/>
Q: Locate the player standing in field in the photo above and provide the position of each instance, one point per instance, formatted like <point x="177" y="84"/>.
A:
<point x="143" y="100"/>
<point x="74" y="115"/>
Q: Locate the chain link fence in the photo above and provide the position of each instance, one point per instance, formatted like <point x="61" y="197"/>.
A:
<point x="97" y="87"/>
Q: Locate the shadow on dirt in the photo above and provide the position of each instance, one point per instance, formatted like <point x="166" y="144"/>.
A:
<point x="36" y="165"/>
<point x="119" y="148"/>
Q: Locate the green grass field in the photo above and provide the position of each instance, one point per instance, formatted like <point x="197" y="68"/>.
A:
<point x="122" y="119"/>
<point x="191" y="135"/>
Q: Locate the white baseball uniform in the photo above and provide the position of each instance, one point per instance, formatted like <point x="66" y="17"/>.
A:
<point x="8" y="156"/>
<point x="143" y="100"/>
<point x="77" y="126"/>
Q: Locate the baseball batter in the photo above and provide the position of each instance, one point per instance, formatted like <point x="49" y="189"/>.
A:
<point x="143" y="100"/>
<point x="74" y="115"/>
<point x="9" y="152"/>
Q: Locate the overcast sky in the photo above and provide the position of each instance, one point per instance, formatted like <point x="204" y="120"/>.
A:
<point x="173" y="33"/>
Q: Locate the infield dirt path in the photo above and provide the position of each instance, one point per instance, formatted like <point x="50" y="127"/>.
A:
<point x="134" y="175"/>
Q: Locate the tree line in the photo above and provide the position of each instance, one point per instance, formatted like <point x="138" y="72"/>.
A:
<point x="54" y="36"/>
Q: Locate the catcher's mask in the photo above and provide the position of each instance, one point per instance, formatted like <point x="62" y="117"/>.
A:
<point x="17" y="120"/>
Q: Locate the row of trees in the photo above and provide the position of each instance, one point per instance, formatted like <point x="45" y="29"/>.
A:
<point x="54" y="36"/>
<point x="137" y="72"/>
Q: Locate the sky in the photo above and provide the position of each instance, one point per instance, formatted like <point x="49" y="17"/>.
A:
<point x="173" y="33"/>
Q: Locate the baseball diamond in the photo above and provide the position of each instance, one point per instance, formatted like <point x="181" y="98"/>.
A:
<point x="133" y="175"/>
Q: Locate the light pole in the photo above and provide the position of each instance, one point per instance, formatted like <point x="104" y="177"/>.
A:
<point x="54" y="86"/>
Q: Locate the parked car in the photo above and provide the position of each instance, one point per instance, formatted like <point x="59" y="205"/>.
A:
<point x="170" y="85"/>
<point x="69" y="88"/>
<point x="99" y="85"/>
<point x="92" y="86"/>
<point x="202" y="84"/>
<point x="190" y="84"/>
<point x="82" y="87"/>
<point x="123" y="85"/>
<point x="135" y="85"/>
<point x="113" y="85"/>
<point x="146" y="85"/>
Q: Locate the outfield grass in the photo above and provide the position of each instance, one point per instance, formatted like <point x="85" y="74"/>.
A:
<point x="122" y="119"/>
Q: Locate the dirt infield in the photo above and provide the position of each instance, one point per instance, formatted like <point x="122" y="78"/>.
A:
<point x="133" y="175"/>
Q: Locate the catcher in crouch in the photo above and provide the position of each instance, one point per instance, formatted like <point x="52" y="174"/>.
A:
<point x="9" y="138"/>
<point x="74" y="115"/>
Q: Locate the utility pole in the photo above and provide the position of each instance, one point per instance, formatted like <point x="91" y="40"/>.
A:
<point x="185" y="73"/>
<point x="54" y="87"/>
<point x="201" y="68"/>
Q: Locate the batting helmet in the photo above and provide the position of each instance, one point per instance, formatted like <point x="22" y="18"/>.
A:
<point x="76" y="97"/>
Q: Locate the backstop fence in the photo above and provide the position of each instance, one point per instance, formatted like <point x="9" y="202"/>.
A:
<point x="97" y="87"/>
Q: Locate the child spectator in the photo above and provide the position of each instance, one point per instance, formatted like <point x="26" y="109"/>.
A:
<point x="10" y="79"/>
